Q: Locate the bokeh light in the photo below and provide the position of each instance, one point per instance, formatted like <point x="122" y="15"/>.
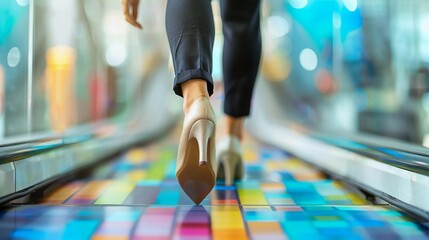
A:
<point x="13" y="57"/>
<point x="336" y="20"/>
<point x="277" y="26"/>
<point x="276" y="67"/>
<point x="325" y="83"/>
<point x="116" y="54"/>
<point x="351" y="5"/>
<point x="22" y="2"/>
<point x="298" y="3"/>
<point x="308" y="59"/>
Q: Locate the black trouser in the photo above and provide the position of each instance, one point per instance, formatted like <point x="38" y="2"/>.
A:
<point x="190" y="32"/>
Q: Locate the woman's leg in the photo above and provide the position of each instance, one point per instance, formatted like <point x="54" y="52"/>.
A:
<point x="190" y="31"/>
<point x="241" y="54"/>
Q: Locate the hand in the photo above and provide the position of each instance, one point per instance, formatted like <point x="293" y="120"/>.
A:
<point x="130" y="8"/>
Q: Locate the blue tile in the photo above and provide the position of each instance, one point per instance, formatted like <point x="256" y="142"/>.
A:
<point x="168" y="198"/>
<point x="79" y="229"/>
<point x="31" y="234"/>
<point x="123" y="216"/>
<point x="330" y="224"/>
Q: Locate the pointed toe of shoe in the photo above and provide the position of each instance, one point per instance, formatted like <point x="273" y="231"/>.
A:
<point x="197" y="185"/>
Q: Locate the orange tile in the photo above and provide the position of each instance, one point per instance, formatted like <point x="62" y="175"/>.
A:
<point x="92" y="190"/>
<point x="309" y="176"/>
<point x="239" y="234"/>
<point x="109" y="237"/>
<point x="264" y="227"/>
<point x="273" y="186"/>
<point x="61" y="194"/>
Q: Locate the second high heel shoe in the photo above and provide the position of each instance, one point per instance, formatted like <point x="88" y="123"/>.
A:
<point x="195" y="158"/>
<point x="229" y="162"/>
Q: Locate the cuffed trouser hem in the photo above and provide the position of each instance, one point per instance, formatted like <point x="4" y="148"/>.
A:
<point x="190" y="75"/>
<point x="237" y="111"/>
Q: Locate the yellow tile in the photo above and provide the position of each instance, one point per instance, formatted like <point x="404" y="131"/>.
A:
<point x="250" y="156"/>
<point x="226" y="217"/>
<point x="338" y="185"/>
<point x="252" y="197"/>
<point x="294" y="163"/>
<point x="230" y="224"/>
<point x="116" y="193"/>
<point x="337" y="197"/>
<point x="136" y="156"/>
<point x="356" y="199"/>
<point x="136" y="175"/>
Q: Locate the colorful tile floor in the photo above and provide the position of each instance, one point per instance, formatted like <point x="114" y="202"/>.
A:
<point x="138" y="197"/>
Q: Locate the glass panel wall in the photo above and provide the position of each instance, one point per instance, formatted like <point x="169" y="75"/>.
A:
<point x="69" y="63"/>
<point x="69" y="74"/>
<point x="351" y="66"/>
<point x="14" y="68"/>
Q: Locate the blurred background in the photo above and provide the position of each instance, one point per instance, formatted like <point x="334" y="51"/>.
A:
<point x="67" y="64"/>
<point x="338" y="66"/>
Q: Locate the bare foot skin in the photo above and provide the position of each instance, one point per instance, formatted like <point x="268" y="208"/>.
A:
<point x="192" y="90"/>
<point x="234" y="126"/>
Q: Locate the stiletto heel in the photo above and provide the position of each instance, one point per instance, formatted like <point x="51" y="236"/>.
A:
<point x="230" y="164"/>
<point x="229" y="169"/>
<point x="202" y="131"/>
<point x="195" y="160"/>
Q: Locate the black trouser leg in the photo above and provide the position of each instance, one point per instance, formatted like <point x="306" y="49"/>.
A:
<point x="241" y="53"/>
<point x="190" y="31"/>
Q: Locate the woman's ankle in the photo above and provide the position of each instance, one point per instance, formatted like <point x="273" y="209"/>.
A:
<point x="234" y="126"/>
<point x="192" y="90"/>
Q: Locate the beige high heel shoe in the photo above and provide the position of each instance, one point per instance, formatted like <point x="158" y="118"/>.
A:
<point x="195" y="158"/>
<point x="229" y="162"/>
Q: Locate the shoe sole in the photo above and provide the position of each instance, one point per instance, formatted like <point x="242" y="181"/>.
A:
<point x="197" y="180"/>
